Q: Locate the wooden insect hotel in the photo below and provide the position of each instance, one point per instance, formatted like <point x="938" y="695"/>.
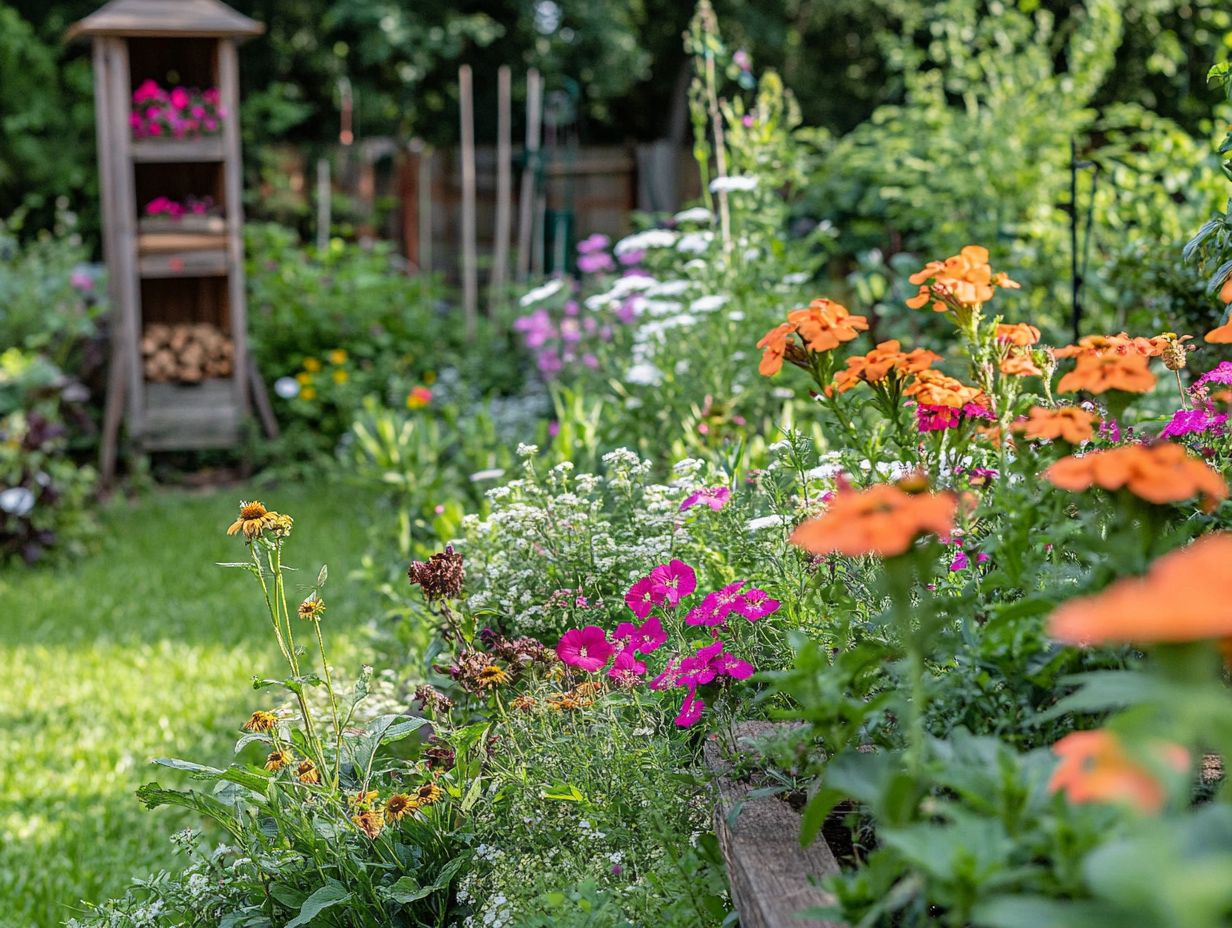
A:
<point x="166" y="92"/>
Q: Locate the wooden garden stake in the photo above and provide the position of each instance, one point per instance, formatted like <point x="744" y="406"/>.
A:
<point x="504" y="181"/>
<point x="323" y="204"/>
<point x="470" y="273"/>
<point x="526" y="207"/>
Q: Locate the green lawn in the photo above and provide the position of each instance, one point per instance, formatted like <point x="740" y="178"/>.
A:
<point x="145" y="649"/>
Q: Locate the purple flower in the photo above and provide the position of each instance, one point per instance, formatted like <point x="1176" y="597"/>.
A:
<point x="585" y="648"/>
<point x="1194" y="421"/>
<point x="645" y="638"/>
<point x="593" y="243"/>
<point x="674" y="581"/>
<point x="626" y="665"/>
<point x="714" y="497"/>
<point x="600" y="262"/>
<point x="1221" y="373"/>
<point x="714" y="609"/>
<point x="631" y="258"/>
<point x="756" y="604"/>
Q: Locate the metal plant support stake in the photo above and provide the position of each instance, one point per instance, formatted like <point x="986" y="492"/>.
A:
<point x="1078" y="265"/>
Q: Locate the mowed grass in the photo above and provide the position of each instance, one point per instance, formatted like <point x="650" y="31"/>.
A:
<point x="142" y="650"/>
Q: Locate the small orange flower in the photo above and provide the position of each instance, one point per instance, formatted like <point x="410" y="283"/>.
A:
<point x="933" y="388"/>
<point x="262" y="720"/>
<point x="1019" y="364"/>
<point x="822" y="326"/>
<point x="253" y="519"/>
<point x="1225" y="292"/>
<point x="1095" y="767"/>
<point x="1163" y="473"/>
<point x="1221" y="335"/>
<point x="1068" y="423"/>
<point x="886" y="359"/>
<point x="883" y="520"/>
<point x="400" y="804"/>
<point x="277" y="760"/>
<point x="1121" y="344"/>
<point x="1181" y="598"/>
<point x="1018" y="334"/>
<point x="1098" y="373"/>
<point x="371" y="822"/>
<point x="962" y="280"/>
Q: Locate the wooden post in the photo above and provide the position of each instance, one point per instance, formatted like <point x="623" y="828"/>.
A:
<point x="470" y="272"/>
<point x="113" y="411"/>
<point x="504" y="181"/>
<point x="233" y="179"/>
<point x="323" y="204"/>
<point x="526" y="207"/>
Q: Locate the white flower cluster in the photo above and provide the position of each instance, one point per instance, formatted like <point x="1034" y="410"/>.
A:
<point x="644" y="241"/>
<point x="542" y="292"/>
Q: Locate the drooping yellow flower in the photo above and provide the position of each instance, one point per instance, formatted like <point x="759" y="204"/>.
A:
<point x="493" y="675"/>
<point x="398" y="805"/>
<point x="428" y="794"/>
<point x="312" y="365"/>
<point x="277" y="760"/>
<point x="371" y="822"/>
<point x="338" y="356"/>
<point x="312" y="608"/>
<point x="362" y="800"/>
<point x="307" y="772"/>
<point x="261" y="721"/>
<point x="253" y="519"/>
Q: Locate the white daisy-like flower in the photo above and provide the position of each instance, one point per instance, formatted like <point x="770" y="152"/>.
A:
<point x="708" y="304"/>
<point x="542" y="292"/>
<point x="736" y="182"/>
<point x="694" y="214"/>
<point x="645" y="241"/>
<point x="695" y="243"/>
<point x="286" y="387"/>
<point x="644" y="374"/>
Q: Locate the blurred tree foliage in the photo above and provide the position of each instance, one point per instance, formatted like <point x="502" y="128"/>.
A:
<point x="621" y="61"/>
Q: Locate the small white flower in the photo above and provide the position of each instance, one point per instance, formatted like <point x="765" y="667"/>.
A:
<point x="708" y="304"/>
<point x="800" y="277"/>
<point x="541" y="293"/>
<point x="16" y="501"/>
<point x="661" y="307"/>
<point x="644" y="241"/>
<point x="527" y="450"/>
<point x="644" y="374"/>
<point x="757" y="525"/>
<point x="736" y="316"/>
<point x="735" y="182"/>
<point x="695" y="214"/>
<point x="287" y="387"/>
<point x="695" y="243"/>
<point x="670" y="288"/>
<point x="494" y="473"/>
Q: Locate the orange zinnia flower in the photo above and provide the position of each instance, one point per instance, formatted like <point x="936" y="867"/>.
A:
<point x="1181" y="598"/>
<point x="1069" y="423"/>
<point x="1018" y="334"/>
<point x="822" y="326"/>
<point x="1095" y="767"/>
<point x="1098" y="373"/>
<point x="933" y="388"/>
<point x="883" y="520"/>
<point x="964" y="279"/>
<point x="887" y="358"/>
<point x="1163" y="473"/>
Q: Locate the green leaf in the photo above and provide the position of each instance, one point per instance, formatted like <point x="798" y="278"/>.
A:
<point x="1101" y="691"/>
<point x="565" y="792"/>
<point x="199" y="771"/>
<point x="152" y="796"/>
<point x="329" y="895"/>
<point x="407" y="890"/>
<point x="322" y="575"/>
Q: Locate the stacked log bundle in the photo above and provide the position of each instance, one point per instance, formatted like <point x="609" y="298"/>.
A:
<point x="187" y="353"/>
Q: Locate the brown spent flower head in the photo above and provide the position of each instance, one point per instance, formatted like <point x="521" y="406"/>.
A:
<point x="312" y="608"/>
<point x="1159" y="474"/>
<point x="440" y="756"/>
<point x="1067" y="423"/>
<point x="565" y="702"/>
<point x="1175" y="354"/>
<point x="307" y="772"/>
<point x="277" y="760"/>
<point x="428" y="794"/>
<point x="371" y="822"/>
<point x="261" y="720"/>
<point x="1183" y="597"/>
<point x="524" y="704"/>
<point x="1099" y="373"/>
<point x="253" y="519"/>
<point x="886" y="359"/>
<point x="441" y="576"/>
<point x="883" y="520"/>
<point x="430" y="697"/>
<point x="280" y="525"/>
<point x="398" y="805"/>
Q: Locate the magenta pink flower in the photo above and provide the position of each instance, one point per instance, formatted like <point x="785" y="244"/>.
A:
<point x="690" y="709"/>
<point x="673" y="581"/>
<point x="643" y="596"/>
<point x="645" y="639"/>
<point x="714" y="609"/>
<point x="714" y="497"/>
<point x="585" y="648"/>
<point x="756" y="604"/>
<point x="626" y="665"/>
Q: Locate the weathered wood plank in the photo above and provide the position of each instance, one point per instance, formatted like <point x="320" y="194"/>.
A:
<point x="772" y="878"/>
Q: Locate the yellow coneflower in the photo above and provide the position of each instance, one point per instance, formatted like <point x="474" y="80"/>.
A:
<point x="428" y="794"/>
<point x="308" y="393"/>
<point x="304" y="378"/>
<point x="253" y="519"/>
<point x="492" y="675"/>
<point x="312" y="608"/>
<point x="399" y="804"/>
<point x="261" y="721"/>
<point x="307" y="772"/>
<point x="524" y="703"/>
<point x="280" y="525"/>
<point x="340" y="376"/>
<point x="338" y="356"/>
<point x="371" y="822"/>
<point x="362" y="800"/>
<point x="312" y="365"/>
<point x="277" y="760"/>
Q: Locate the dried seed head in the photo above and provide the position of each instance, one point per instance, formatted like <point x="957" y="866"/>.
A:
<point x="440" y="576"/>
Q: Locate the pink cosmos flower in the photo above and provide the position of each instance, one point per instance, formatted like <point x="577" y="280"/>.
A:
<point x="756" y="604"/>
<point x="643" y="596"/>
<point x="673" y="581"/>
<point x="713" y="610"/>
<point x="585" y="648"/>
<point x="714" y="497"/>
